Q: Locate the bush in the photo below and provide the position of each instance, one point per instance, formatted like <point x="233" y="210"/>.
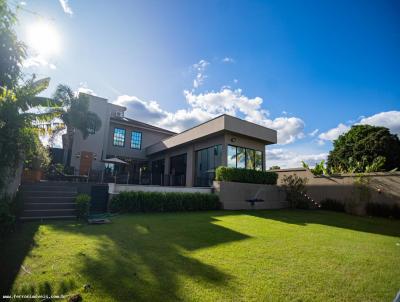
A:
<point x="332" y="205"/>
<point x="83" y="205"/>
<point x="163" y="202"/>
<point x="383" y="210"/>
<point x="10" y="208"/>
<point x="246" y="176"/>
<point x="295" y="187"/>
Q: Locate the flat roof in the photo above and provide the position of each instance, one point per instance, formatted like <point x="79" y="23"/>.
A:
<point x="221" y="124"/>
<point x="136" y="123"/>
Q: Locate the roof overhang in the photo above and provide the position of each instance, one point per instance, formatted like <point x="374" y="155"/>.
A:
<point x="220" y="124"/>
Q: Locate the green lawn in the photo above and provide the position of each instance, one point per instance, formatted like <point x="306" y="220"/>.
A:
<point x="209" y="256"/>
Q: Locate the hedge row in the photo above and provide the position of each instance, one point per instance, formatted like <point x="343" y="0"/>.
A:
<point x="163" y="202"/>
<point x="383" y="210"/>
<point x="246" y="176"/>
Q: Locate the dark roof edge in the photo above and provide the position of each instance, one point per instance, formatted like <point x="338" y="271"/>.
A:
<point x="132" y="121"/>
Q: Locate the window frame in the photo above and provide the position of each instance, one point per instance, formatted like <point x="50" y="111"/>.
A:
<point x="140" y="141"/>
<point x="117" y="145"/>
<point x="246" y="156"/>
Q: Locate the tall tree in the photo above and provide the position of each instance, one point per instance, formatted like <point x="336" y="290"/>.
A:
<point x="12" y="51"/>
<point x="361" y="145"/>
<point x="21" y="113"/>
<point x="75" y="116"/>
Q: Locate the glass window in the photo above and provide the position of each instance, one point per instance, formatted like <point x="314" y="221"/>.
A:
<point x="218" y="155"/>
<point x="119" y="137"/>
<point x="136" y="140"/>
<point x="250" y="154"/>
<point x="241" y="157"/>
<point x="231" y="156"/>
<point x="258" y="161"/>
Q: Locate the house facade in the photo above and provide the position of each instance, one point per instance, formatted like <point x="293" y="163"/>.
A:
<point x="157" y="156"/>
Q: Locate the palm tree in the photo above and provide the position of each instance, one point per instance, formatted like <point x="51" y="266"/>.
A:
<point x="22" y="113"/>
<point x="75" y="116"/>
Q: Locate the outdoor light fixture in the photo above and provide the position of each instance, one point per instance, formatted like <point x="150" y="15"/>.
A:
<point x="78" y="155"/>
<point x="233" y="139"/>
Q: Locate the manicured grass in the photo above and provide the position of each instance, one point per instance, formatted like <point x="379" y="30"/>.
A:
<point x="210" y="256"/>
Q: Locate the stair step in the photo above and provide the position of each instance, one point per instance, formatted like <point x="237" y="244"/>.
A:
<point x="49" y="205"/>
<point x="49" y="213"/>
<point x="47" y="217"/>
<point x="49" y="193"/>
<point x="49" y="199"/>
<point x="38" y="187"/>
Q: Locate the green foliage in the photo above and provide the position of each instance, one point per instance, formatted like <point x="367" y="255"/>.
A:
<point x="83" y="205"/>
<point x="295" y="187"/>
<point x="10" y="208"/>
<point x="12" y="51"/>
<point x="356" y="150"/>
<point x="163" y="202"/>
<point x="319" y="168"/>
<point x="383" y="210"/>
<point x="19" y="135"/>
<point x="246" y="176"/>
<point x="274" y="168"/>
<point x="332" y="205"/>
<point x="75" y="115"/>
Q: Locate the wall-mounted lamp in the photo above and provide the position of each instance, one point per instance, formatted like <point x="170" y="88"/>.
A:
<point x="233" y="139"/>
<point x="78" y="155"/>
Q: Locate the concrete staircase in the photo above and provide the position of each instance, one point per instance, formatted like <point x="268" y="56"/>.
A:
<point x="49" y="200"/>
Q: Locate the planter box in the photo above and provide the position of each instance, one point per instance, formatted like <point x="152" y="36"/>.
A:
<point x="31" y="175"/>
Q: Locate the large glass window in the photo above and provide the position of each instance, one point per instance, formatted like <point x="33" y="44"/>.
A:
<point x="239" y="157"/>
<point x="207" y="160"/>
<point x="119" y="137"/>
<point x="250" y="154"/>
<point x="258" y="160"/>
<point x="231" y="156"/>
<point x="136" y="140"/>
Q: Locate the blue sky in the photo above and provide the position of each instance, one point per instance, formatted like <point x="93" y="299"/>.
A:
<point x="296" y="66"/>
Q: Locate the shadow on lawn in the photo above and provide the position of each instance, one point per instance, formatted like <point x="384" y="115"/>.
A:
<point x="13" y="250"/>
<point x="144" y="257"/>
<point x="381" y="226"/>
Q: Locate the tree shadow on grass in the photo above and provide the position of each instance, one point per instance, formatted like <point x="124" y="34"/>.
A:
<point x="146" y="257"/>
<point x="375" y="225"/>
<point x="13" y="251"/>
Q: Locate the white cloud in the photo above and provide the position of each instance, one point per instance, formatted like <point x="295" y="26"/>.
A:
<point x="83" y="87"/>
<point x="37" y="61"/>
<point x="388" y="119"/>
<point x="204" y="106"/>
<point x="333" y="133"/>
<point x="66" y="8"/>
<point x="200" y="68"/>
<point x="285" y="158"/>
<point x="235" y="81"/>
<point x="228" y="60"/>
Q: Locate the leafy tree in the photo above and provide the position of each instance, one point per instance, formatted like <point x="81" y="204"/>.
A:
<point x="21" y="111"/>
<point x="12" y="51"/>
<point x="75" y="116"/>
<point x="364" y="148"/>
<point x="319" y="168"/>
<point x="274" y="168"/>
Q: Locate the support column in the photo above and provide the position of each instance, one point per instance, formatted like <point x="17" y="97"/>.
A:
<point x="190" y="169"/>
<point x="166" y="180"/>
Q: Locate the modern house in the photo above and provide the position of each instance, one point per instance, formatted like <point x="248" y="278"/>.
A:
<point x="157" y="156"/>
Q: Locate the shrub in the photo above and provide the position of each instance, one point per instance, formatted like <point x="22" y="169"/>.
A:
<point x="163" y="202"/>
<point x="295" y="187"/>
<point x="383" y="210"/>
<point x="10" y="208"/>
<point x="246" y="176"/>
<point x="332" y="205"/>
<point x="83" y="205"/>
